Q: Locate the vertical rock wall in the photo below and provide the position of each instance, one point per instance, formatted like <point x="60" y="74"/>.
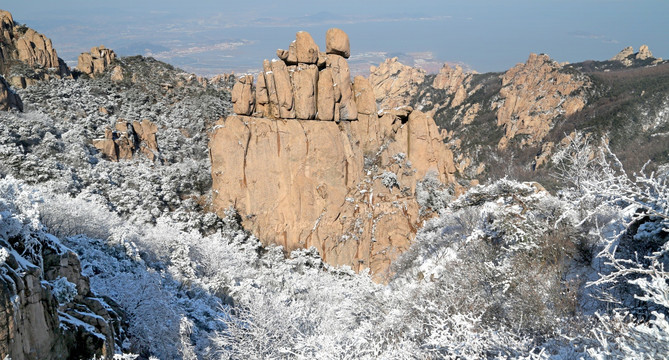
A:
<point x="344" y="187"/>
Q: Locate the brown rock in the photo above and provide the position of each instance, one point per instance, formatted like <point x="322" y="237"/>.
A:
<point x="336" y="42"/>
<point x="343" y="92"/>
<point x="97" y="61"/>
<point x="282" y="54"/>
<point x="394" y="83"/>
<point x="262" y="97"/>
<point x="243" y="98"/>
<point x="326" y="99"/>
<point x="364" y="96"/>
<point x="108" y="147"/>
<point x="321" y="194"/>
<point x="322" y="60"/>
<point x="291" y="59"/>
<point x="284" y="89"/>
<point x="305" y="48"/>
<point x="305" y="88"/>
<point x="271" y="91"/>
<point x="148" y="134"/>
<point x="533" y="95"/>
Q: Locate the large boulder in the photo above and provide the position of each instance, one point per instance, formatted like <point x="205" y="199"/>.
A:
<point x="323" y="191"/>
<point x="623" y="54"/>
<point x="262" y="96"/>
<point x="336" y="42"/>
<point x="325" y="96"/>
<point x="284" y="89"/>
<point x="364" y="96"/>
<point x="271" y="91"/>
<point x="243" y="98"/>
<point x="343" y="92"/>
<point x="128" y="138"/>
<point x="305" y="88"/>
<point x="306" y="48"/>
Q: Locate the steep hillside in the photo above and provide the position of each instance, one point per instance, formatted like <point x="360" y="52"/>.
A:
<point x="510" y="124"/>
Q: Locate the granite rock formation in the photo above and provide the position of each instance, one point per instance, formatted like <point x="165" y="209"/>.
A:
<point x="27" y="56"/>
<point x="304" y="83"/>
<point x="97" y="61"/>
<point x="127" y="139"/>
<point x="346" y="187"/>
<point x="394" y="83"/>
<point x="36" y="324"/>
<point x="533" y="95"/>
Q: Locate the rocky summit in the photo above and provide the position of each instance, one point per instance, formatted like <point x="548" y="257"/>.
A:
<point x="347" y="189"/>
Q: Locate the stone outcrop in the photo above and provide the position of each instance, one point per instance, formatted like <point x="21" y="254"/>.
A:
<point x="346" y="188"/>
<point x="127" y="139"/>
<point x="533" y="95"/>
<point x="455" y="82"/>
<point x="21" y="45"/>
<point x="35" y="324"/>
<point x="627" y="56"/>
<point x="337" y="43"/>
<point x="394" y="83"/>
<point x="623" y="54"/>
<point x="304" y="83"/>
<point x="8" y="98"/>
<point x="644" y="53"/>
<point x="242" y="96"/>
<point x="345" y="107"/>
<point x="97" y="61"/>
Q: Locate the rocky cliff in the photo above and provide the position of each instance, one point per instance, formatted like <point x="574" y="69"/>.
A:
<point x="27" y="56"/>
<point x="344" y="187"/>
<point x="47" y="310"/>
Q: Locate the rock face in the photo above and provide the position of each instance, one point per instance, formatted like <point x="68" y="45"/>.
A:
<point x="303" y="84"/>
<point x="345" y="188"/>
<point x="644" y="53"/>
<point x="96" y="61"/>
<point x="34" y="325"/>
<point x="305" y="88"/>
<point x="8" y="98"/>
<point x="533" y="95"/>
<point x="455" y="82"/>
<point x="345" y="107"/>
<point x="394" y="83"/>
<point x="307" y="183"/>
<point x="623" y="54"/>
<point x="325" y="96"/>
<point x="242" y="96"/>
<point x="21" y="45"/>
<point x="127" y="139"/>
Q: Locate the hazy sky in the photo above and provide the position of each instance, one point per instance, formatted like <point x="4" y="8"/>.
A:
<point x="215" y="36"/>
